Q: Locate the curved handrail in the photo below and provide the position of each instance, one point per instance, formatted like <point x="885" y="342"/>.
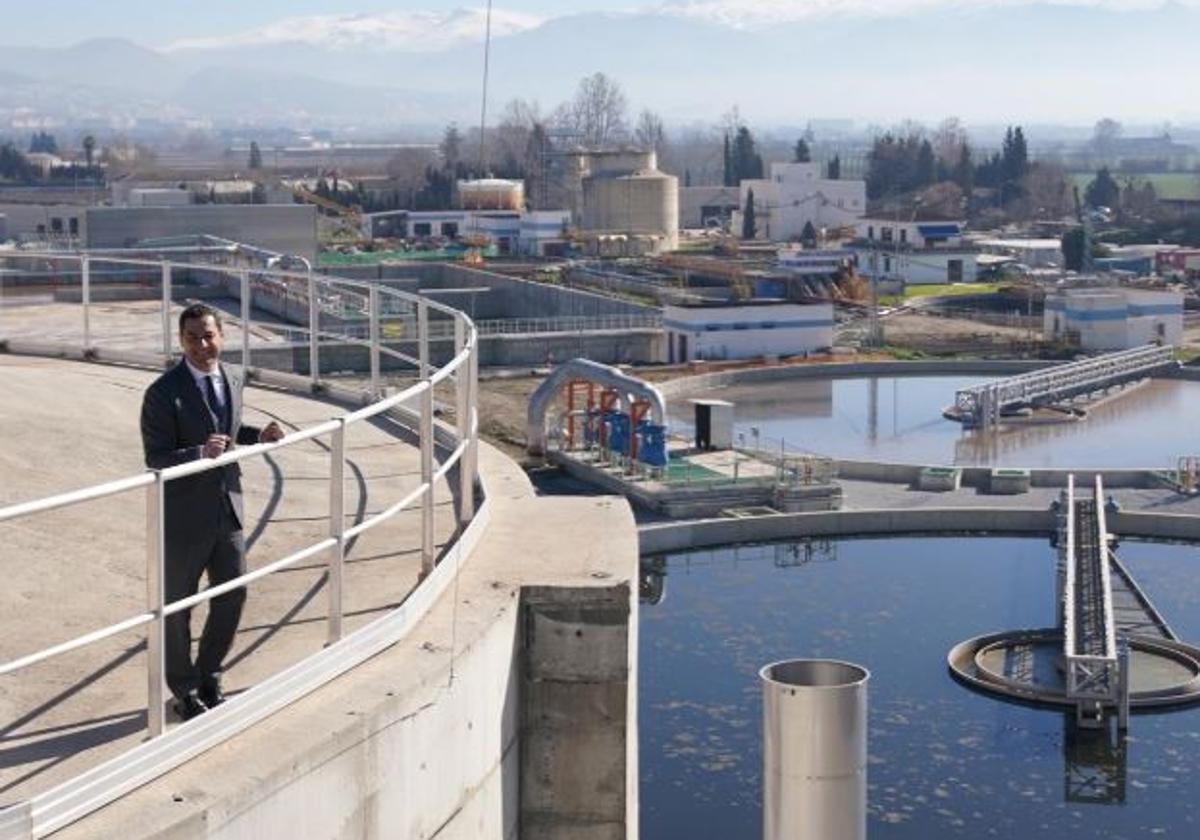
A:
<point x="462" y="366"/>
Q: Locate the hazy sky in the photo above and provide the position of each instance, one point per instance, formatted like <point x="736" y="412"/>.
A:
<point x="157" y="23"/>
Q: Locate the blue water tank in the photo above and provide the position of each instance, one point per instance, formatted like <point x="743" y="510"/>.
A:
<point x="652" y="446"/>
<point x="618" y="431"/>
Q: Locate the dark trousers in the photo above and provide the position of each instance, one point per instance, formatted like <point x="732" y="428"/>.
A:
<point x="219" y="552"/>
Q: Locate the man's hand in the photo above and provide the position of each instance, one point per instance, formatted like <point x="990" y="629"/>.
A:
<point x="271" y="433"/>
<point x="215" y="445"/>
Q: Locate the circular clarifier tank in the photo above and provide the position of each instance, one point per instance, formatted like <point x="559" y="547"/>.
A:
<point x="1027" y="665"/>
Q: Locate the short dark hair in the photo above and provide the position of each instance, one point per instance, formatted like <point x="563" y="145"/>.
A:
<point x="198" y="312"/>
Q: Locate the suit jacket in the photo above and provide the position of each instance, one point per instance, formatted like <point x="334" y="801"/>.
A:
<point x="176" y="421"/>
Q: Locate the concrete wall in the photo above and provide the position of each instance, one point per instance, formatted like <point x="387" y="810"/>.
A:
<point x="508" y="710"/>
<point x="628" y="347"/>
<point x="894" y="473"/>
<point x="286" y="228"/>
<point x="506" y="297"/>
<point x="665" y="538"/>
<point x="693" y="385"/>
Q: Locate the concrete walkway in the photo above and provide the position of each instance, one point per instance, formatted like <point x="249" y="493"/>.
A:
<point x="68" y="425"/>
<point x="422" y="740"/>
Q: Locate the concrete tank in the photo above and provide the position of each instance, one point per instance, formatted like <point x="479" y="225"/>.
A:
<point x="491" y="194"/>
<point x="645" y="202"/>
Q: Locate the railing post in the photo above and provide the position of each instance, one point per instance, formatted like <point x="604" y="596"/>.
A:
<point x="246" y="326"/>
<point x="337" y="528"/>
<point x="314" y="325"/>
<point x="373" y="322"/>
<point x="86" y="298"/>
<point x="155" y="598"/>
<point x="166" y="312"/>
<point x="423" y="335"/>
<point x="16" y="821"/>
<point x="462" y="412"/>
<point x="426" y="431"/>
<point x="473" y="447"/>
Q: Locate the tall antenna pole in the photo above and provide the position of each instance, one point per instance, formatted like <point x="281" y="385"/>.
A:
<point x="487" y="48"/>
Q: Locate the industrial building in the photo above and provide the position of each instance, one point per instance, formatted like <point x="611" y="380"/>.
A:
<point x="708" y="206"/>
<point x="796" y="195"/>
<point x="623" y="201"/>
<point x="1113" y="318"/>
<point x="746" y="329"/>
<point x="532" y="232"/>
<point x="1035" y="253"/>
<point x="55" y="222"/>
<point x="822" y="263"/>
<point x="284" y="228"/>
<point x="917" y="253"/>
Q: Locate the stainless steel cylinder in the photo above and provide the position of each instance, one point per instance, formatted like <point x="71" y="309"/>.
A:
<point x="814" y="750"/>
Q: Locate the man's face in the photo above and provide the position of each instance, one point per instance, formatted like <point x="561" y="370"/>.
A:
<point x="202" y="341"/>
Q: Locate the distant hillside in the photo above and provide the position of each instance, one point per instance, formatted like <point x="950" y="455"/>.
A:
<point x="1044" y="63"/>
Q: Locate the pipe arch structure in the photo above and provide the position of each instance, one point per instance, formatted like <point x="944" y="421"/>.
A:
<point x="586" y="369"/>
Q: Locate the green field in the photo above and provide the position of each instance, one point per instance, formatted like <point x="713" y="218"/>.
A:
<point x="1172" y="186"/>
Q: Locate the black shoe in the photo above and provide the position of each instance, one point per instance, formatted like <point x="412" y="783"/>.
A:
<point x="210" y="693"/>
<point x="189" y="706"/>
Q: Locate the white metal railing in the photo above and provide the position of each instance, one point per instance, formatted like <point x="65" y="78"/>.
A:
<point x="46" y="813"/>
<point x="982" y="404"/>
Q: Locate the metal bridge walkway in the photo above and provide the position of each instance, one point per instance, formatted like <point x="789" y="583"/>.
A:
<point x="982" y="405"/>
<point x="1096" y="670"/>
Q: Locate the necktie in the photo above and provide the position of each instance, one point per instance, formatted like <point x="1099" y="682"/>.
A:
<point x="217" y="406"/>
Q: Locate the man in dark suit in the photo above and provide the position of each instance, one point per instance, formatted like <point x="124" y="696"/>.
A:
<point x="194" y="411"/>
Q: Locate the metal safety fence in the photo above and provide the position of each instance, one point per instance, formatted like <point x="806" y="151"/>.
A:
<point x="68" y="282"/>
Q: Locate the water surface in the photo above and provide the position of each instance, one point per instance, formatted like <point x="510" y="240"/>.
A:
<point x="900" y="419"/>
<point x="944" y="761"/>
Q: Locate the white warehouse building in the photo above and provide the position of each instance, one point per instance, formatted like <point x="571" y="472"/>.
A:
<point x="1114" y="318"/>
<point x="918" y="253"/>
<point x="796" y="194"/>
<point x="746" y="330"/>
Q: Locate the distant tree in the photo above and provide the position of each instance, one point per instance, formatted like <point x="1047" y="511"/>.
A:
<point x="749" y="225"/>
<point x="808" y="236"/>
<point x="255" y="161"/>
<point x="948" y="141"/>
<point x="727" y="172"/>
<point x="687" y="177"/>
<point x="926" y="167"/>
<point x="451" y="147"/>
<point x="43" y="142"/>
<point x="1105" y="135"/>
<point x="1046" y="193"/>
<point x="1139" y="201"/>
<point x="834" y="172"/>
<point x="1014" y="162"/>
<point x="964" y="170"/>
<point x="89" y="149"/>
<point x="745" y="159"/>
<point x="1103" y="191"/>
<point x="597" y="113"/>
<point x="943" y="200"/>
<point x="649" y="132"/>
<point x="1072" y="249"/>
<point x="14" y="166"/>
<point x="801" y="153"/>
